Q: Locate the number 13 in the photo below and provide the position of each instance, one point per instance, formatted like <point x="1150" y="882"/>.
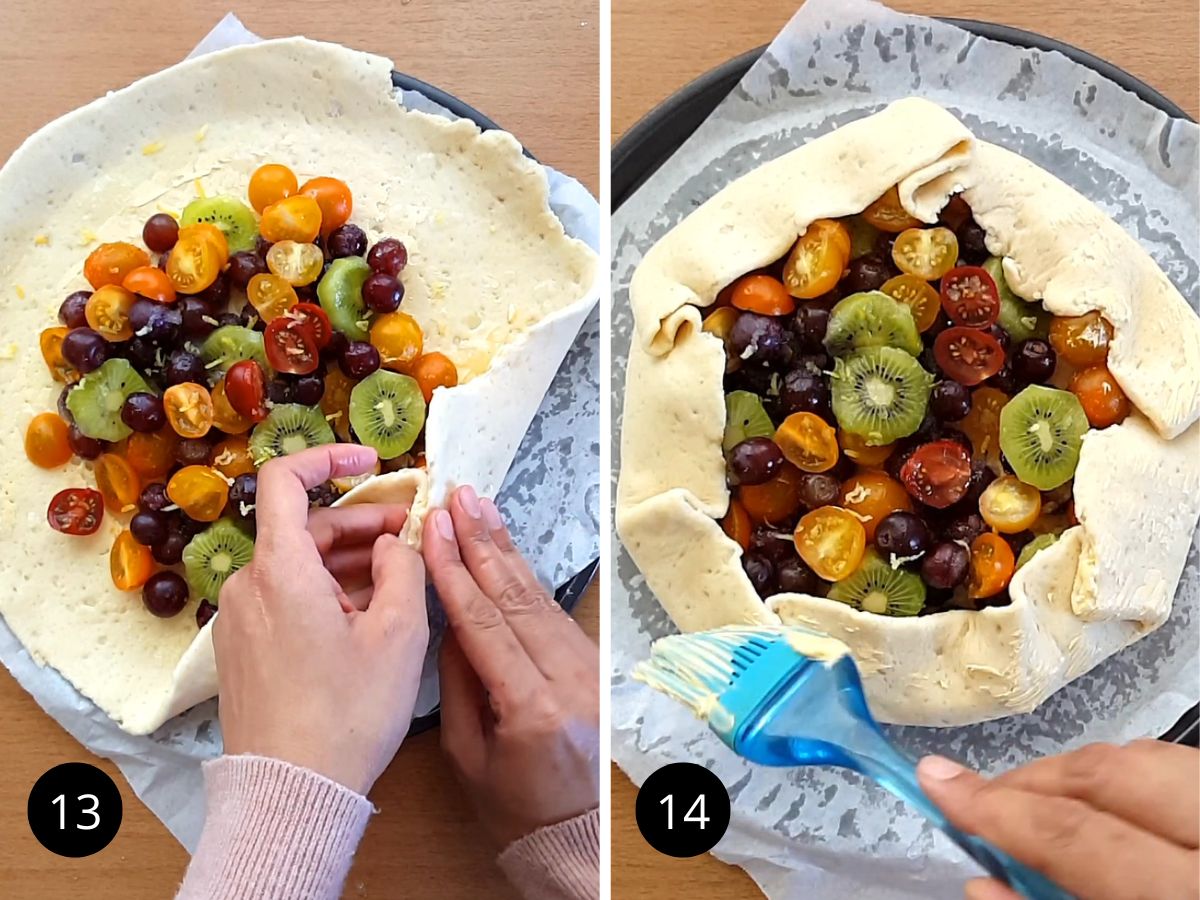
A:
<point x="61" y="800"/>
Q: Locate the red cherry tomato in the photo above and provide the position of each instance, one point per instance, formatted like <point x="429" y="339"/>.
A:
<point x="290" y="346"/>
<point x="968" y="355"/>
<point x="969" y="297"/>
<point x="246" y="389"/>
<point x="937" y="474"/>
<point x="315" y="318"/>
<point x="76" y="511"/>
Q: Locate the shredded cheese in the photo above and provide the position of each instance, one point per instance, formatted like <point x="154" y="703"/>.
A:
<point x="20" y="291"/>
<point x="152" y="148"/>
<point x="199" y="188"/>
<point x="41" y="240"/>
<point x="87" y="236"/>
<point x="202" y="133"/>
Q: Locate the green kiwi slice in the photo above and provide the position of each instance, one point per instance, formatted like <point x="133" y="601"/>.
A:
<point x="880" y="394"/>
<point x="1041" y="431"/>
<point x="213" y="555"/>
<point x="871" y="319"/>
<point x="289" y="428"/>
<point x="744" y="418"/>
<point x="1022" y="319"/>
<point x="340" y="293"/>
<point x="876" y="587"/>
<point x="1041" y="542"/>
<point x="230" y="344"/>
<point x="97" y="400"/>
<point x="387" y="412"/>
<point x="234" y="218"/>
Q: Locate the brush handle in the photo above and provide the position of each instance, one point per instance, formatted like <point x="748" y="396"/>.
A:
<point x="896" y="772"/>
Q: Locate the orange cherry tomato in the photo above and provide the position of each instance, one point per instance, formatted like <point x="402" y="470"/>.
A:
<point x="918" y="295"/>
<point x="720" y="323"/>
<point x="295" y="263"/>
<point x="194" y="263"/>
<point x="51" y="341"/>
<point x="189" y="409"/>
<point x="1103" y="401"/>
<point x="107" y="312"/>
<point x="200" y="491"/>
<point x="874" y="496"/>
<point x="831" y="541"/>
<point x="150" y="282"/>
<point x="808" y="442"/>
<point x="269" y="184"/>
<point x="224" y="417"/>
<point x="888" y="215"/>
<point x="152" y="454"/>
<point x="130" y="562"/>
<point x="982" y="426"/>
<point x="231" y="457"/>
<point x="1010" y="505"/>
<point x="955" y="213"/>
<point x="295" y="218"/>
<point x="398" y="338"/>
<point x="724" y="296"/>
<point x="110" y="263"/>
<point x="1081" y="340"/>
<point x="334" y="199"/>
<point x="762" y="294"/>
<point x="737" y="525"/>
<point x="272" y="295"/>
<point x="817" y="260"/>
<point x="335" y="402"/>
<point x="775" y="501"/>
<point x="434" y="370"/>
<point x="928" y="253"/>
<point x="46" y="441"/>
<point x="856" y="447"/>
<point x="211" y="233"/>
<point x="117" y="482"/>
<point x="992" y="565"/>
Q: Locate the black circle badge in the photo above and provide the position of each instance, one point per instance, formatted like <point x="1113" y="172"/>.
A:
<point x="74" y="810"/>
<point x="682" y="810"/>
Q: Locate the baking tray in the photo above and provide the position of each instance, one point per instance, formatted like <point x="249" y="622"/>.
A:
<point x="658" y="134"/>
<point x="567" y="594"/>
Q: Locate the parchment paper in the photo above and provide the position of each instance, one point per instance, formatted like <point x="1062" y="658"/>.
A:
<point x="550" y="498"/>
<point x="827" y="832"/>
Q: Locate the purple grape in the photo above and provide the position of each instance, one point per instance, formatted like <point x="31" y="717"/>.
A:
<point x="228" y="318"/>
<point x="183" y="366"/>
<point x="946" y="566"/>
<point x="251" y="319"/>
<point x="309" y="389"/>
<point x="72" y="312"/>
<point x="1002" y="337"/>
<point x="204" y="612"/>
<point x="388" y="255"/>
<point x="964" y="528"/>
<point x="382" y="292"/>
<point x="755" y="460"/>
<point x="143" y="353"/>
<point x="867" y="273"/>
<point x="981" y="476"/>
<point x="148" y="528"/>
<point x="165" y="594"/>
<point x="950" y="401"/>
<point x="803" y="391"/>
<point x="192" y="452"/>
<point x="84" y="349"/>
<point x="143" y="412"/>
<point x="814" y="363"/>
<point x="761" y="572"/>
<point x="1004" y="380"/>
<point x="773" y="543"/>
<point x="244" y="266"/>
<point x="760" y="339"/>
<point x="216" y="295"/>
<point x="197" y="317"/>
<point x="243" y="490"/>
<point x="280" y="390"/>
<point x="158" y="323"/>
<point x="262" y="246"/>
<point x="337" y="345"/>
<point x="160" y="232"/>
<point x="794" y="577"/>
<point x="902" y="534"/>
<point x="346" y="240"/>
<point x="359" y="359"/>
<point x="1033" y="361"/>
<point x="153" y="497"/>
<point x="187" y="526"/>
<point x="83" y="446"/>
<point x="819" y="489"/>
<point x="972" y="247"/>
<point x="169" y="550"/>
<point x="810" y="325"/>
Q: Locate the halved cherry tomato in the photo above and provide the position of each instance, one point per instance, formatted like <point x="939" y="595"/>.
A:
<point x="130" y="562"/>
<point x="398" y="338"/>
<point x="76" y="511"/>
<point x="762" y="294"/>
<point x="296" y="263"/>
<point x="200" y="491"/>
<point x="51" y="341"/>
<point x="246" y="389"/>
<point x="888" y="215"/>
<point x="724" y="297"/>
<point x="1081" y="340"/>
<point x="107" y="312"/>
<point x="970" y="297"/>
<point x="817" y="260"/>
<point x="808" y="442"/>
<point x="194" y="263"/>
<point x="117" y="482"/>
<point x="335" y="402"/>
<point x="294" y="218"/>
<point x="720" y="323"/>
<point x="211" y="233"/>
<point x="982" y="426"/>
<point x="334" y="199"/>
<point x="938" y="473"/>
<point x="1103" y="401"/>
<point x="434" y="370"/>
<point x="775" y="501"/>
<point x="152" y="454"/>
<point x="314" y="318"/>
<point x="856" y="447"/>
<point x="189" y="409"/>
<point x="992" y="565"/>
<point x="269" y="184"/>
<point x="928" y="253"/>
<point x="968" y="355"/>
<point x="918" y="295"/>
<point x="110" y="263"/>
<point x="272" y="295"/>
<point x="46" y="441"/>
<point x="737" y="525"/>
<point x="150" y="282"/>
<point x="231" y="457"/>
<point x="225" y="417"/>
<point x="1010" y="505"/>
<point x="831" y="541"/>
<point x="873" y="496"/>
<point x="291" y="347"/>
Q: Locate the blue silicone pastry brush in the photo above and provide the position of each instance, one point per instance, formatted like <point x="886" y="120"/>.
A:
<point x="786" y="696"/>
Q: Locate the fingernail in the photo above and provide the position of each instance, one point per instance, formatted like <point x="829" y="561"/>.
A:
<point x="491" y="515"/>
<point x="469" y="500"/>
<point x="938" y="768"/>
<point x="445" y="527"/>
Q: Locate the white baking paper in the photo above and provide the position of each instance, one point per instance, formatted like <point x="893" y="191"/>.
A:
<point x="550" y="497"/>
<point x="826" y="832"/>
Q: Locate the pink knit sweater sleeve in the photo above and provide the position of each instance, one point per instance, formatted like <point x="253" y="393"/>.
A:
<point x="558" y="862"/>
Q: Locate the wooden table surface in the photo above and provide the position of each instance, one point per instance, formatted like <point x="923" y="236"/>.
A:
<point x="658" y="47"/>
<point x="532" y="66"/>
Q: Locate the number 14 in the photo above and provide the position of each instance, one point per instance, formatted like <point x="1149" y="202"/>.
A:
<point x="694" y="814"/>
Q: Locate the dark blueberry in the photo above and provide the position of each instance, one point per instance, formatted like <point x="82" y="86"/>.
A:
<point x="359" y="359"/>
<point x="169" y="550"/>
<point x="902" y="534"/>
<point x="229" y="318"/>
<point x="809" y="325"/>
<point x="382" y="292"/>
<point x="244" y="266"/>
<point x="760" y="340"/>
<point x="971" y="246"/>
<point x="309" y="389"/>
<point x="243" y="491"/>
<point x="187" y="526"/>
<point x="250" y="318"/>
<point x="940" y="324"/>
<point x="261" y="247"/>
<point x="160" y="232"/>
<point x="883" y="245"/>
<point x="1033" y="361"/>
<point x="946" y="565"/>
<point x="346" y="240"/>
<point x="165" y="594"/>
<point x="1001" y="336"/>
<point x="337" y="345"/>
<point x="953" y="434"/>
<point x="154" y="497"/>
<point x="280" y="390"/>
<point x="216" y="294"/>
<point x="761" y="572"/>
<point x="755" y="460"/>
<point x="84" y="349"/>
<point x="813" y="363"/>
<point x="794" y="577"/>
<point x="182" y="366"/>
<point x="143" y="412"/>
<point x="156" y="322"/>
<point x="803" y="391"/>
<point x="148" y="528"/>
<point x="322" y="495"/>
<point x="204" y="612"/>
<point x="197" y="317"/>
<point x="964" y="528"/>
<point x="773" y="543"/>
<point x="192" y="452"/>
<point x="950" y="401"/>
<point x="63" y="410"/>
<point x="83" y="446"/>
<point x="981" y="476"/>
<point x="143" y="352"/>
<point x="307" y="293"/>
<point x="867" y="273"/>
<point x="1004" y="380"/>
<point x="819" y="489"/>
<point x="72" y="311"/>
<point x="388" y="255"/>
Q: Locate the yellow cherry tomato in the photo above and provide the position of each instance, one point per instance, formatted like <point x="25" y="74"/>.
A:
<point x="398" y="338"/>
<point x="295" y="218"/>
<point x="269" y="184"/>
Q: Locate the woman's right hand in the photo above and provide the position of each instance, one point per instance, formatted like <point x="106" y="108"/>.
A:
<point x="519" y="679"/>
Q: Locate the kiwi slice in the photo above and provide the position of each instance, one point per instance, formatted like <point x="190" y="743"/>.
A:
<point x="1022" y="319"/>
<point x="1041" y="542"/>
<point x="340" y="293"/>
<point x="213" y="555"/>
<point x="871" y="319"/>
<point x="876" y="587"/>
<point x="880" y="394"/>
<point x="387" y="412"/>
<point x="744" y="418"/>
<point x="230" y="344"/>
<point x="289" y="428"/>
<point x="97" y="400"/>
<point x="1041" y="431"/>
<point x="234" y="218"/>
